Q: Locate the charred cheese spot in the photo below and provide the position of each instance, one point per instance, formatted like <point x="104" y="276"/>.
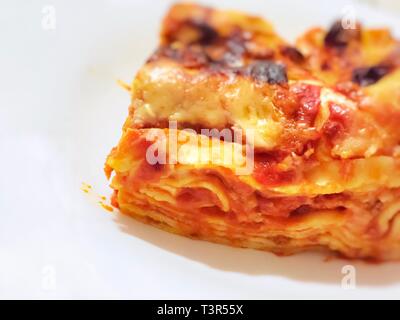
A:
<point x="293" y="54"/>
<point x="366" y="76"/>
<point x="267" y="72"/>
<point x="207" y="33"/>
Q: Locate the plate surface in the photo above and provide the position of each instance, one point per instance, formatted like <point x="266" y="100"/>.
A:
<point x="61" y="111"/>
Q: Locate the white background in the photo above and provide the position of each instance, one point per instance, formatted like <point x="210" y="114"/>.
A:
<point x="61" y="112"/>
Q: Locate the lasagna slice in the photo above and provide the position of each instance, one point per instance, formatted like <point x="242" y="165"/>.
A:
<point x="237" y="137"/>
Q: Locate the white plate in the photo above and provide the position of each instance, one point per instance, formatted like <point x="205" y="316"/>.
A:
<point x="61" y="112"/>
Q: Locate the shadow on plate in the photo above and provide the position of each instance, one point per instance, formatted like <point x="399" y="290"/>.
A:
<point x="306" y="267"/>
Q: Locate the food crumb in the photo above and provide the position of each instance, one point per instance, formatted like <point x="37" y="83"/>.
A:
<point x="105" y="206"/>
<point x="87" y="188"/>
